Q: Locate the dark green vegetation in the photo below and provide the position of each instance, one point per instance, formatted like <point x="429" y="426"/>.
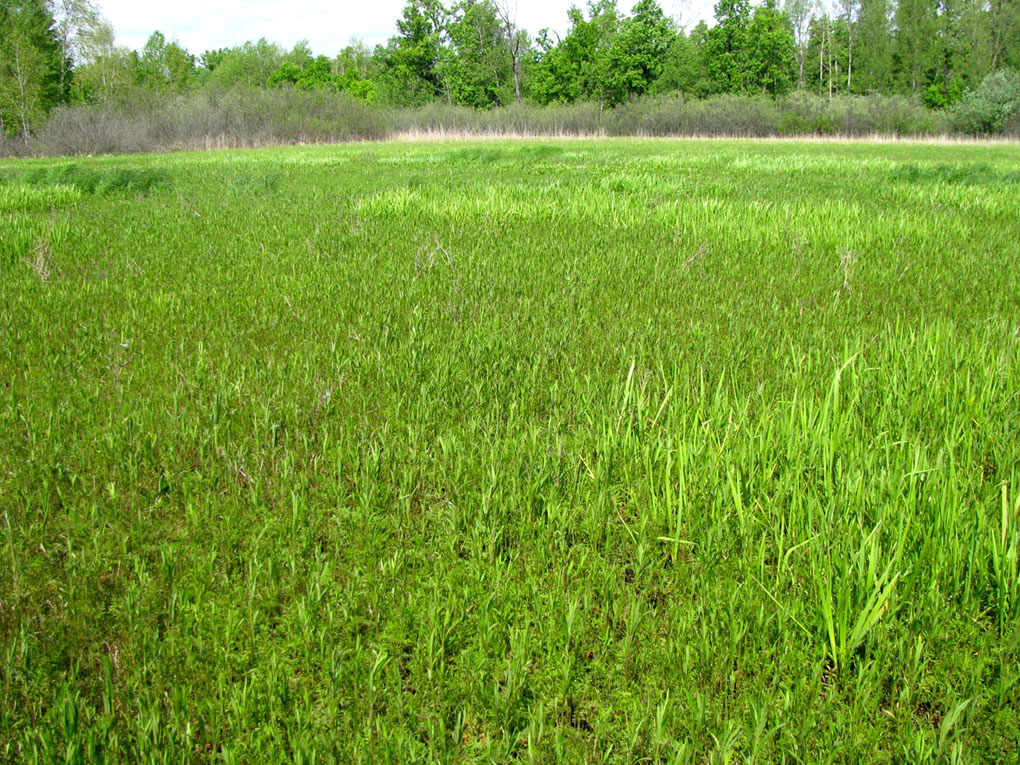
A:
<point x="898" y="67"/>
<point x="574" y="451"/>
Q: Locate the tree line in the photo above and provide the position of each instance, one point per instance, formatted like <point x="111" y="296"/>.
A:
<point x="473" y="53"/>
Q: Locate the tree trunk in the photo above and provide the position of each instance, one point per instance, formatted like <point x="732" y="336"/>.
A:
<point x="829" y="38"/>
<point x="515" y="55"/>
<point x="19" y="75"/>
<point x="821" y="66"/>
<point x="849" y="62"/>
<point x="996" y="13"/>
<point x="513" y="41"/>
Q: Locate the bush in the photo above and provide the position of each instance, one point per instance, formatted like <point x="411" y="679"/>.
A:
<point x="760" y="116"/>
<point x="94" y="130"/>
<point x="993" y="108"/>
<point x="242" y="117"/>
<point x="517" y="119"/>
<point x="237" y="118"/>
<point x="676" y="116"/>
<point x="858" y="116"/>
<point x="13" y="147"/>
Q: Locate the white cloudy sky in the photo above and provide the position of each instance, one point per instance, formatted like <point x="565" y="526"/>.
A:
<point x="328" y="25"/>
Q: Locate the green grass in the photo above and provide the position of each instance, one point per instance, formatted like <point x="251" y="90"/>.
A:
<point x="582" y="451"/>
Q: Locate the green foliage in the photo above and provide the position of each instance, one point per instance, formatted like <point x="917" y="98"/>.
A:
<point x="993" y="107"/>
<point x="577" y="68"/>
<point x="412" y="59"/>
<point x="626" y="451"/>
<point x="165" y="66"/>
<point x="637" y="55"/>
<point x="321" y="73"/>
<point x="355" y="69"/>
<point x="476" y="66"/>
<point x="108" y="76"/>
<point x="873" y="51"/>
<point x="474" y="54"/>
<point x="684" y="69"/>
<point x="31" y="65"/>
<point x="81" y="33"/>
<point x="915" y="22"/>
<point x="770" y="59"/>
<point x="939" y="95"/>
<point x="247" y="65"/>
<point x="313" y="74"/>
<point x="727" y="46"/>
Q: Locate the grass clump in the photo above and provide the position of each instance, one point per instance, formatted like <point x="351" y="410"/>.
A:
<point x="973" y="174"/>
<point x="95" y="181"/>
<point x="23" y="197"/>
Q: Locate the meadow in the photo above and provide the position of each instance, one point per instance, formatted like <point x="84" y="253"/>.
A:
<point x="538" y="450"/>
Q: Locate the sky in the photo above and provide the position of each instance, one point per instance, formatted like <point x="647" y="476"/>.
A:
<point x="328" y="25"/>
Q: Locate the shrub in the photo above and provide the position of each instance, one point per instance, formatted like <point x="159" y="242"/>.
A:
<point x="12" y="147"/>
<point x="236" y="118"/>
<point x="993" y="108"/>
<point x="516" y="119"/>
<point x="858" y="116"/>
<point x="250" y="117"/>
<point x="745" y="116"/>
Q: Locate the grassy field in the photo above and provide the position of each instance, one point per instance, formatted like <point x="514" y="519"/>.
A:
<point x="572" y="451"/>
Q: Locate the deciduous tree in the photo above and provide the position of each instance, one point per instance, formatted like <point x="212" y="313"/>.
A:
<point x="727" y="47"/>
<point x="476" y="64"/>
<point x="516" y="39"/>
<point x="164" y="65"/>
<point x="30" y="65"/>
<point x="770" y="50"/>
<point x="799" y="14"/>
<point x="79" y="29"/>
<point x="575" y="67"/>
<point x="412" y="57"/>
<point x="637" y="55"/>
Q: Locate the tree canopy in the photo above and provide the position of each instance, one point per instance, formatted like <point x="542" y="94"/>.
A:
<point x="472" y="53"/>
